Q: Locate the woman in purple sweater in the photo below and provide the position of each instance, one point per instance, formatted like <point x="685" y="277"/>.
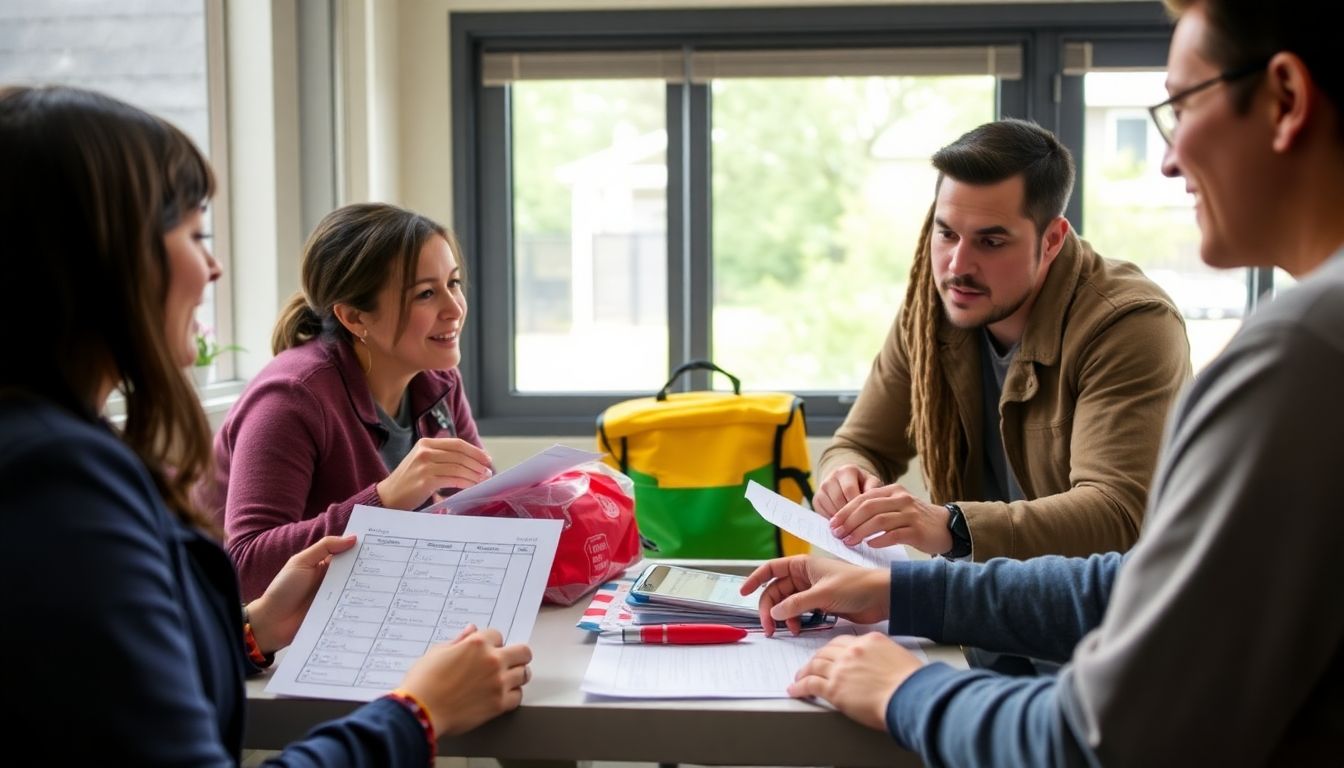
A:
<point x="363" y="403"/>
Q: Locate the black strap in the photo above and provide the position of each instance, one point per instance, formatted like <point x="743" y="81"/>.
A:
<point x="697" y="365"/>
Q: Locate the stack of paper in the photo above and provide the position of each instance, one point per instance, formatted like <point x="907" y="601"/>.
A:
<point x="651" y="613"/>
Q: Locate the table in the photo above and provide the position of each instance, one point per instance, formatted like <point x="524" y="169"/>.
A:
<point x="557" y="721"/>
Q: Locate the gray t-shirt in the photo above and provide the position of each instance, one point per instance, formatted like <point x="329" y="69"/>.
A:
<point x="999" y="482"/>
<point x="400" y="433"/>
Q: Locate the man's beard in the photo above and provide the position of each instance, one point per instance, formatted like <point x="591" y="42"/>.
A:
<point x="996" y="313"/>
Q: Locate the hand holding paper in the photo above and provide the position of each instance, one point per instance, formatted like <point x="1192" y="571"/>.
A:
<point x="815" y="529"/>
<point x="539" y="468"/>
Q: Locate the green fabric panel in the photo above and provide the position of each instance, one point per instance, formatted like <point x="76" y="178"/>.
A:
<point x="714" y="522"/>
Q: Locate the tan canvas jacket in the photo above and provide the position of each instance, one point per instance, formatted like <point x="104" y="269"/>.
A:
<point x="1101" y="361"/>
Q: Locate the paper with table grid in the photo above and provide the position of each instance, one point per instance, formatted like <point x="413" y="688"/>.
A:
<point x="758" y="667"/>
<point x="414" y="580"/>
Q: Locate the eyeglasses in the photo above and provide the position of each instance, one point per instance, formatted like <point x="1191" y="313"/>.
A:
<point x="1164" y="114"/>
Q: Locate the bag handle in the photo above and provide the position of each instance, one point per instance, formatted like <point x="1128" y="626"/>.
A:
<point x="698" y="365"/>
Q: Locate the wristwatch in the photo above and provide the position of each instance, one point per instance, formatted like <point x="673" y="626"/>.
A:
<point x="961" y="533"/>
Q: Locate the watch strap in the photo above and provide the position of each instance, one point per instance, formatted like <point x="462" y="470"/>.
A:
<point x="961" y="533"/>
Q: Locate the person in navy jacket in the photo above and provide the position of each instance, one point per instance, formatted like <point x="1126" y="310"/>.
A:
<point x="126" y="643"/>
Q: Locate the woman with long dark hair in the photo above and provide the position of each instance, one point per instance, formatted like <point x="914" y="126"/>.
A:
<point x="126" y="643"/>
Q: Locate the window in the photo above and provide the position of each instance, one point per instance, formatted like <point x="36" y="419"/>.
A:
<point x="1135" y="213"/>
<point x="634" y="189"/>
<point x="815" y="180"/>
<point x="155" y="55"/>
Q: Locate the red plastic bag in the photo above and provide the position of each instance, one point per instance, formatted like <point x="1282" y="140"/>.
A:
<point x="599" y="540"/>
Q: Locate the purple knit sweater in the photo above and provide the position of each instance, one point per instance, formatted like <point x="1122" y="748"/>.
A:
<point x="300" y="449"/>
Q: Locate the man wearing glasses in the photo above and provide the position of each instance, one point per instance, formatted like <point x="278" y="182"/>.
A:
<point x="1219" y="638"/>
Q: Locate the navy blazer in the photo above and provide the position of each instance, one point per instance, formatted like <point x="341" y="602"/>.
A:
<point x="124" y="641"/>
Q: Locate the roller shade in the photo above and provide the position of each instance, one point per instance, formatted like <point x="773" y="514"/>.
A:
<point x="673" y="66"/>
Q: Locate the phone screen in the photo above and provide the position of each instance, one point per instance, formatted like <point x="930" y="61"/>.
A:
<point x="703" y="586"/>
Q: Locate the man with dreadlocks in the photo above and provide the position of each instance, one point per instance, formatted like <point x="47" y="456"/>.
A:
<point x="1030" y="375"/>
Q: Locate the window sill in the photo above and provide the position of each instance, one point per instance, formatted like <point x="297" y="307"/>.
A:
<point x="216" y="399"/>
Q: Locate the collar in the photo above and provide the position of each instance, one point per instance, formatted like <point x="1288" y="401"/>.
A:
<point x="426" y="390"/>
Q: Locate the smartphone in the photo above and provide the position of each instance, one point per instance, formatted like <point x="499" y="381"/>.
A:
<point x="675" y="585"/>
<point x="694" y="588"/>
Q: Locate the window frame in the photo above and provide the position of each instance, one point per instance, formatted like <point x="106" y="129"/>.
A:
<point x="480" y="140"/>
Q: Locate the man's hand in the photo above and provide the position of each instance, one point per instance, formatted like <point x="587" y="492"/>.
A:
<point x="857" y="675"/>
<point x="841" y="486"/>
<point x="898" y="516"/>
<point x="277" y="614"/>
<point x="801" y="583"/>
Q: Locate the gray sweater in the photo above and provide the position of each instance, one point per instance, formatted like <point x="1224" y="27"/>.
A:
<point x="1219" y="639"/>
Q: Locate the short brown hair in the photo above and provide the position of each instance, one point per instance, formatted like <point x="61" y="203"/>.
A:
<point x="1243" y="33"/>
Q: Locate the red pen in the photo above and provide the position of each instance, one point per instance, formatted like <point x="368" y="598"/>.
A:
<point x="683" y="634"/>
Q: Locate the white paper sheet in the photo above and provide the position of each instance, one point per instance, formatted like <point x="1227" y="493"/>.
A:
<point x="755" y="668"/>
<point x="536" y="469"/>
<point x="816" y="530"/>
<point x="413" y="580"/>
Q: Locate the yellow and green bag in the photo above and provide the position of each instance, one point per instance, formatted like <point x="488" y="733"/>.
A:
<point x="690" y="455"/>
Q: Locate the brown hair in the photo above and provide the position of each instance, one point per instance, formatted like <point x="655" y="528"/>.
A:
<point x="354" y="251"/>
<point x="1243" y="33"/>
<point x="989" y="154"/>
<point x="92" y="186"/>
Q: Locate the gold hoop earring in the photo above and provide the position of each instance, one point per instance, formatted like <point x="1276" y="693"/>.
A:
<point x="368" y="367"/>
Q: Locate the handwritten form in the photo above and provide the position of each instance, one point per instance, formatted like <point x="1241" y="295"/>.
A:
<point x="755" y="668"/>
<point x="543" y="466"/>
<point x="411" y="581"/>
<point x="815" y="529"/>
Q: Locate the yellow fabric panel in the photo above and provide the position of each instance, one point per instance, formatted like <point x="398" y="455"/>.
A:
<point x="693" y="409"/>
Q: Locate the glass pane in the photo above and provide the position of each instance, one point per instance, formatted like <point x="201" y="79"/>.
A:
<point x="590" y="235"/>
<point x="150" y="53"/>
<point x="820" y="188"/>
<point x="1283" y="281"/>
<point x="1132" y="212"/>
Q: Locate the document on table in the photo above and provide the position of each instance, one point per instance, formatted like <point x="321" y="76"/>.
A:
<point x="537" y="469"/>
<point x="413" y="580"/>
<point x="815" y="529"/>
<point x="758" y="667"/>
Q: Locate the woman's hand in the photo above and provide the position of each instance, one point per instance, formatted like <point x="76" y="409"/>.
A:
<point x="470" y="680"/>
<point x="277" y="614"/>
<point x="803" y="583"/>
<point x="433" y="463"/>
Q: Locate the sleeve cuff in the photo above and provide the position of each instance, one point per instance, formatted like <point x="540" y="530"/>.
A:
<point x="918" y="598"/>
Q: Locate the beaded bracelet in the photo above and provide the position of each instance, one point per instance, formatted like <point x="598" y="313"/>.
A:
<point x="410" y="702"/>
<point x="253" y="650"/>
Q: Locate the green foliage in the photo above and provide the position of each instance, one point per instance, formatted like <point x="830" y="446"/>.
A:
<point x="207" y="349"/>
<point x="557" y="123"/>
<point x="819" y="188"/>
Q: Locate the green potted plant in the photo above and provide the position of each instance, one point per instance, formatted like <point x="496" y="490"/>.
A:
<point x="207" y="351"/>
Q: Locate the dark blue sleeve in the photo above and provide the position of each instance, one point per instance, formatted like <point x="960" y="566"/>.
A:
<point x="380" y="733"/>
<point x="100" y="648"/>
<point x="1039" y="607"/>
<point x="980" y="718"/>
<point x="100" y="626"/>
